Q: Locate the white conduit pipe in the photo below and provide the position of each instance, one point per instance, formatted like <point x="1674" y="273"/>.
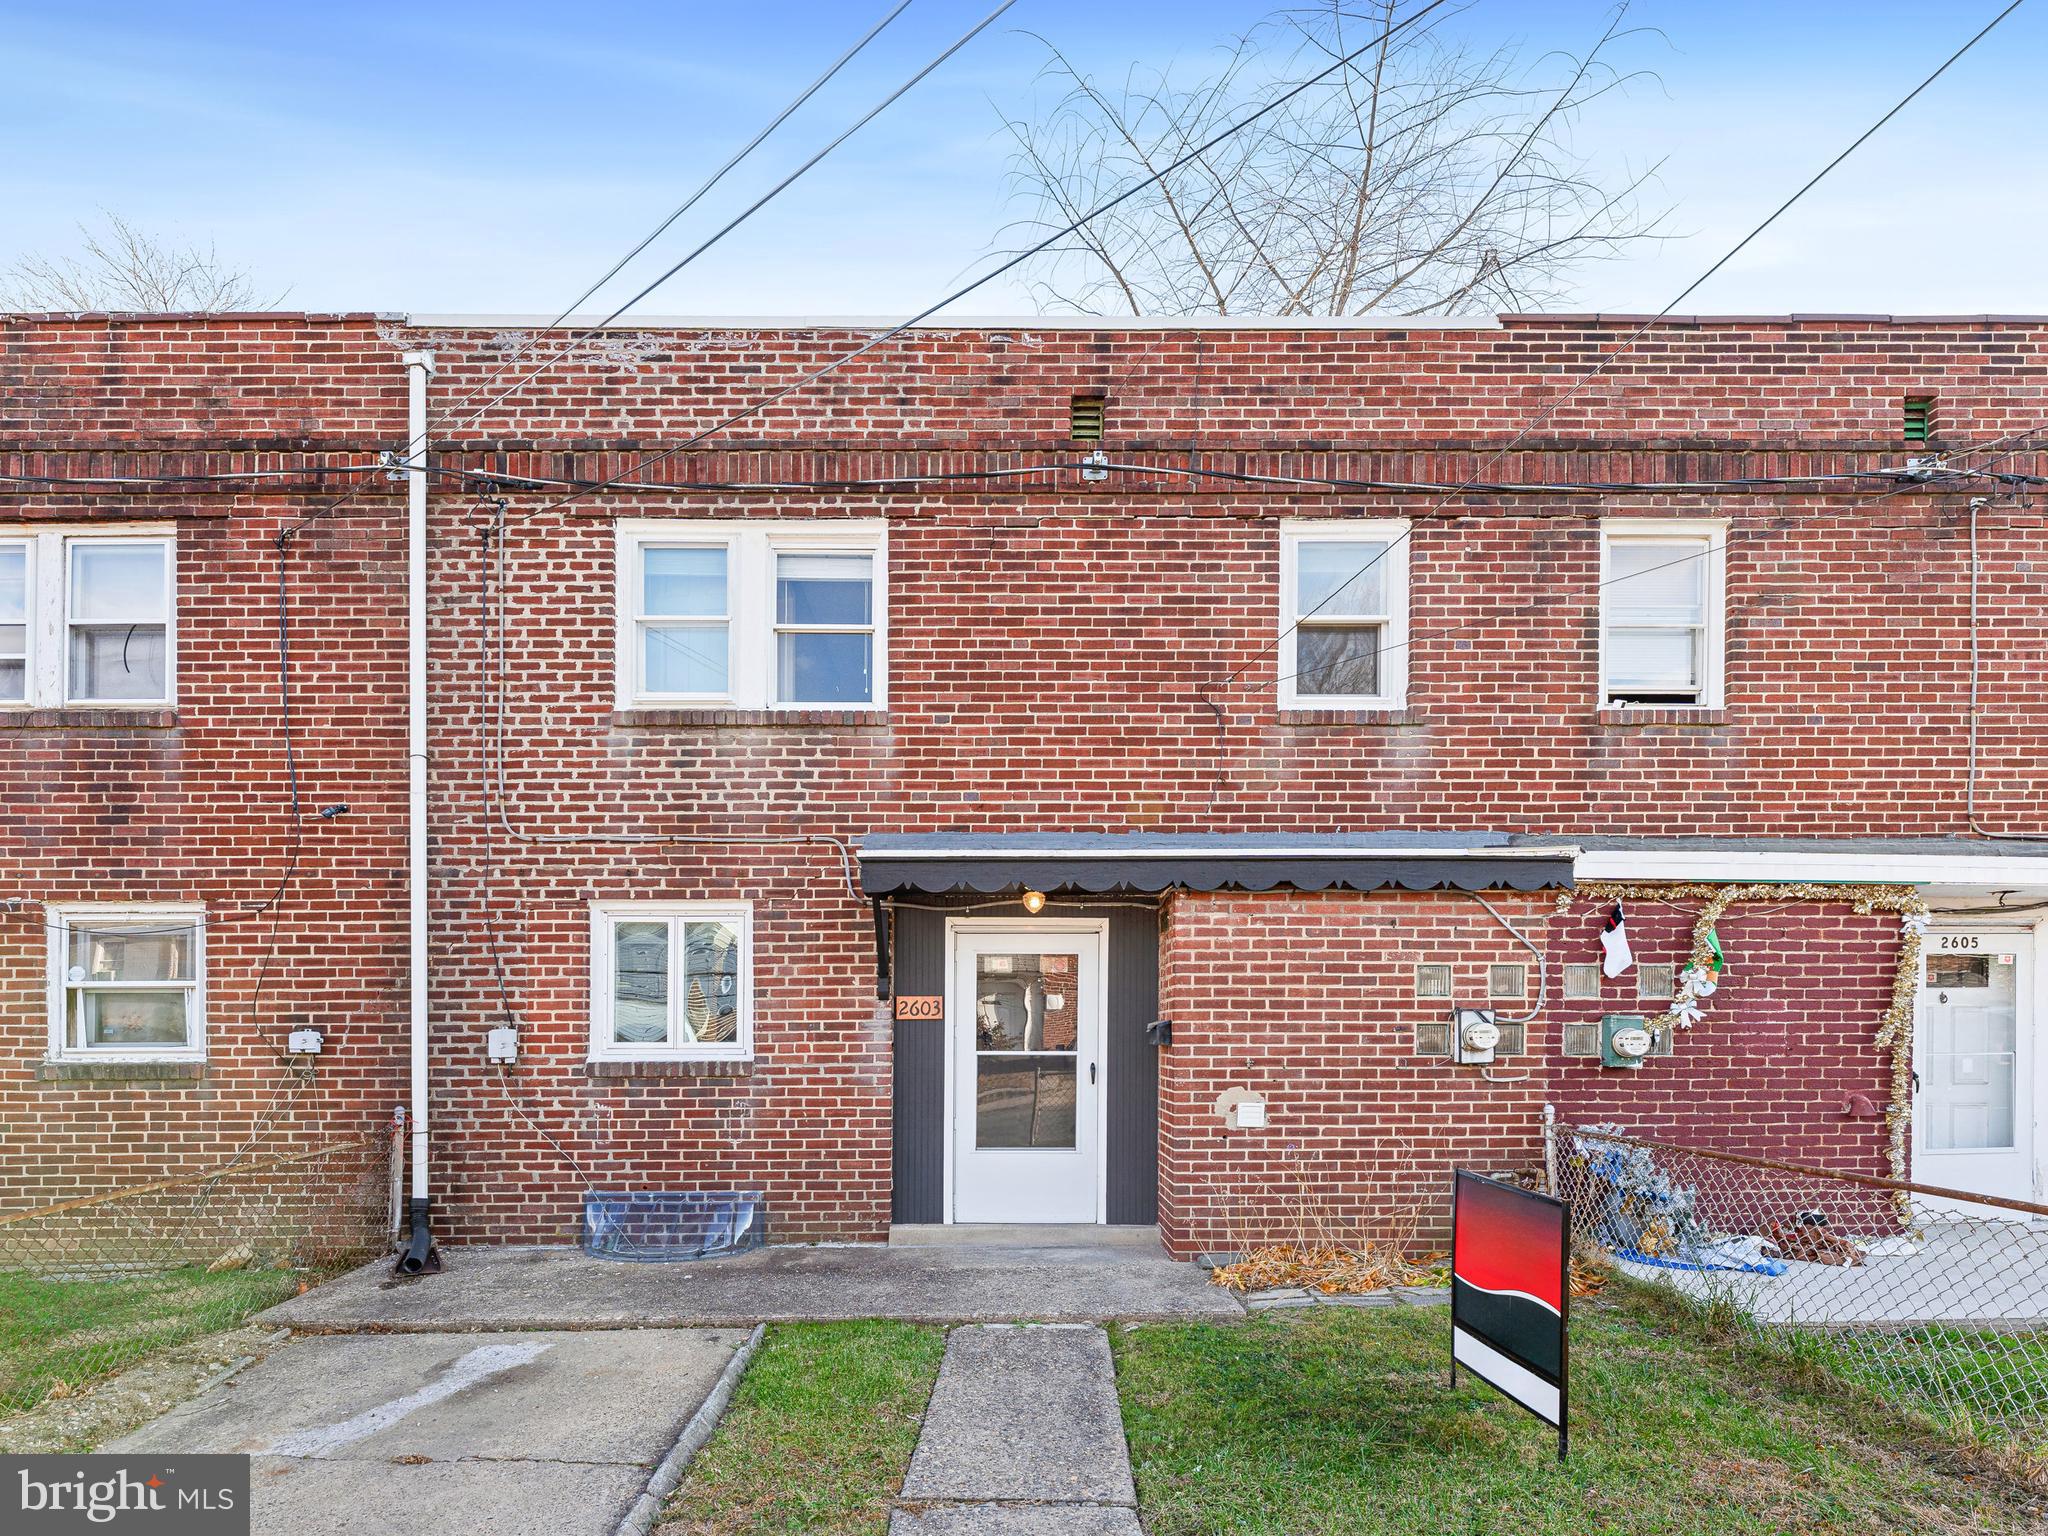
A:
<point x="419" y="368"/>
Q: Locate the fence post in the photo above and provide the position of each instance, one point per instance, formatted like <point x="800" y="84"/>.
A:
<point x="1550" y="1150"/>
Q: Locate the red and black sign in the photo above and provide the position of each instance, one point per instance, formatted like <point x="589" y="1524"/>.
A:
<point x="1511" y="1293"/>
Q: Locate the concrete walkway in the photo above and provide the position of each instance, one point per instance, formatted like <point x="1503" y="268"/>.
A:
<point x="529" y="1288"/>
<point x="423" y="1434"/>
<point x="1023" y="1437"/>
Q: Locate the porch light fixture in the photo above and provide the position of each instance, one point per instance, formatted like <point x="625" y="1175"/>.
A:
<point x="1034" y="902"/>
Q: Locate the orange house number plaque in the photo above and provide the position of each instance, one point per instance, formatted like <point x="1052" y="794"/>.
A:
<point x="920" y="1007"/>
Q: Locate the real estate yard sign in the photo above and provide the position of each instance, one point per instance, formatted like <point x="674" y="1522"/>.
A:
<point x="1511" y="1294"/>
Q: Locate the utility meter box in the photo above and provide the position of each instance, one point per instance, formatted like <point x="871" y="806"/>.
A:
<point x="1625" y="1039"/>
<point x="1474" y="1035"/>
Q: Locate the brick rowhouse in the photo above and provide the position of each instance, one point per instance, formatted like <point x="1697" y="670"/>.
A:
<point x="1063" y="656"/>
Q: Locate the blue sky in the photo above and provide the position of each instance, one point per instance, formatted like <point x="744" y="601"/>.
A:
<point x="496" y="158"/>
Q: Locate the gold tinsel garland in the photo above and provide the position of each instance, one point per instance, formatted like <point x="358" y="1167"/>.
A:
<point x="1695" y="981"/>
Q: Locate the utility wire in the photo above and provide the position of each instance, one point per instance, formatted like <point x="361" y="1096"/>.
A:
<point x="677" y="212"/>
<point x="1637" y="334"/>
<point x="881" y="338"/>
<point x="734" y="223"/>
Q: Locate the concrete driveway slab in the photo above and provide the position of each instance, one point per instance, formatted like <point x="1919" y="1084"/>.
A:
<point x="543" y="1288"/>
<point x="421" y="1433"/>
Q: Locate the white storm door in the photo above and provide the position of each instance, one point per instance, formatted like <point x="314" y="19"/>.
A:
<point x="1973" y="1103"/>
<point x="1024" y="1033"/>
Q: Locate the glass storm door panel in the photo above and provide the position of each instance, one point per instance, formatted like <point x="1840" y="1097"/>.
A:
<point x="1024" y="1027"/>
<point x="1973" y="1104"/>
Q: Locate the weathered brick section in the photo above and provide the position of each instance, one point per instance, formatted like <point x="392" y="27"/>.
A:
<point x="1053" y="649"/>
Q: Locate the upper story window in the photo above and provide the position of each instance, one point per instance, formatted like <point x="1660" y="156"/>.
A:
<point x="754" y="615"/>
<point x="1343" y="614"/>
<point x="87" y="618"/>
<point x="672" y="981"/>
<point x="1662" y="592"/>
<point x="126" y="982"/>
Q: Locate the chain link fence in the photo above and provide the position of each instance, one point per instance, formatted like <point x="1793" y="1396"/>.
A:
<point x="89" y="1285"/>
<point x="1936" y="1305"/>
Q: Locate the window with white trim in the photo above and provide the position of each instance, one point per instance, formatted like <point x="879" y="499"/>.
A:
<point x="1343" y="615"/>
<point x="752" y="615"/>
<point x="1662" y="595"/>
<point x="127" y="983"/>
<point x="87" y="618"/>
<point x="672" y="981"/>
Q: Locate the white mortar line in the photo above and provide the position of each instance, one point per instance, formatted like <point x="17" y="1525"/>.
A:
<point x="478" y="1365"/>
<point x="640" y="1518"/>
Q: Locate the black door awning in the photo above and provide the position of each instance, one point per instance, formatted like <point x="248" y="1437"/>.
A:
<point x="1143" y="861"/>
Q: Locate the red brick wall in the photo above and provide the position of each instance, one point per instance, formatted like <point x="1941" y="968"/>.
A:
<point x="191" y="805"/>
<point x="1052" y="642"/>
<point x="1308" y="1000"/>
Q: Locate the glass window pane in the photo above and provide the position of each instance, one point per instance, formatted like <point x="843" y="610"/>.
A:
<point x="13" y="640"/>
<point x="118" y="661"/>
<point x="1329" y="659"/>
<point x="1027" y="1002"/>
<point x="817" y="668"/>
<point x="824" y="589"/>
<point x="689" y="658"/>
<point x="1652" y="661"/>
<point x="711" y="983"/>
<point x="13" y="680"/>
<point x="683" y="583"/>
<point x="131" y="1018"/>
<point x="1352" y="577"/>
<point x="117" y="583"/>
<point x="640" y="983"/>
<point x="1024" y="1101"/>
<point x="1657" y="583"/>
<point x="103" y="954"/>
<point x="13" y="584"/>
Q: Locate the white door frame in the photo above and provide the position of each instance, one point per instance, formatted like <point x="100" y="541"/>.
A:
<point x="2031" y="940"/>
<point x="960" y="927"/>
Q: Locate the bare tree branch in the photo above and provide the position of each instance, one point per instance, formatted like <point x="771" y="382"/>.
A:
<point x="1428" y="177"/>
<point x="126" y="268"/>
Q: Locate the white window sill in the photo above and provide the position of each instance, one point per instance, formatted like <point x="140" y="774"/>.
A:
<point x="138" y="1069"/>
<point x="669" y="1066"/>
<point x="1663" y="714"/>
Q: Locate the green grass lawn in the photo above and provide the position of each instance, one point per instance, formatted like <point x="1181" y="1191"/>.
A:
<point x="1340" y="1420"/>
<point x="75" y="1331"/>
<point x="818" y="1436"/>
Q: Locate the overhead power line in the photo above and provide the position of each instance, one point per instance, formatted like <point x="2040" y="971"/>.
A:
<point x="1637" y="334"/>
<point x="740" y="218"/>
<point x="883" y="337"/>
<point x="681" y="208"/>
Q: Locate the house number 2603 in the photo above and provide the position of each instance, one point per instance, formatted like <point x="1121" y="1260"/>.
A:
<point x="1960" y="941"/>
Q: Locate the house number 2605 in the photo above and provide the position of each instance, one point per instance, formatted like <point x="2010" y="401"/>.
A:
<point x="1959" y="941"/>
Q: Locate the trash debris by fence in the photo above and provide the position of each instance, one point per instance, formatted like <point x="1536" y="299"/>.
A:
<point x="1905" y="1290"/>
<point x="88" y="1285"/>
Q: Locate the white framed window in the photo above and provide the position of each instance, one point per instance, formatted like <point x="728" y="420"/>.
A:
<point x="754" y="615"/>
<point x="88" y="617"/>
<point x="1663" y="592"/>
<point x="1343" y="615"/>
<point x="127" y="982"/>
<point x="672" y="981"/>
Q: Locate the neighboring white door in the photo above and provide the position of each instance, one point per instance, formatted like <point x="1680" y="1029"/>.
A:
<point x="1024" y="1032"/>
<point x="1973" y="1104"/>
